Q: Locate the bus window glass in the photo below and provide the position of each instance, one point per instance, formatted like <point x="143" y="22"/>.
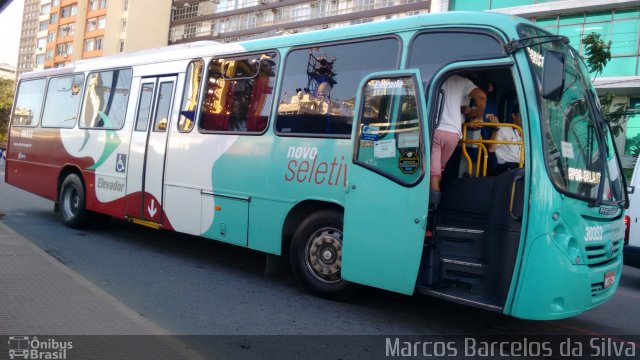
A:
<point x="432" y="51"/>
<point x="579" y="149"/>
<point x="28" y="105"/>
<point x="190" y="96"/>
<point x="389" y="137"/>
<point x="320" y="83"/>
<point x="239" y="94"/>
<point x="163" y="105"/>
<point x="144" y="107"/>
<point x="106" y="99"/>
<point x="62" y="102"/>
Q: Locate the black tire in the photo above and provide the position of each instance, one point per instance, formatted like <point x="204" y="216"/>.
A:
<point x="72" y="203"/>
<point x="316" y="256"/>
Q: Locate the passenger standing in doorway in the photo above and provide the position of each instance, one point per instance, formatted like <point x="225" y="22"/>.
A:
<point x="457" y="91"/>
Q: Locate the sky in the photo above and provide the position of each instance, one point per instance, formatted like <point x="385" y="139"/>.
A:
<point x="10" y="25"/>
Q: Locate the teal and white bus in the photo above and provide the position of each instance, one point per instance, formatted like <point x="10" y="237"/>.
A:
<point x="316" y="147"/>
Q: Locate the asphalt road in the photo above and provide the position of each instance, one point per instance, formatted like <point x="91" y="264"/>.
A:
<point x="191" y="286"/>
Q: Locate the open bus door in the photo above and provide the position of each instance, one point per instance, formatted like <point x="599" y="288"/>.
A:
<point x="387" y="192"/>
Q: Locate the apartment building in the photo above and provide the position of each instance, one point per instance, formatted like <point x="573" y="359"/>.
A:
<point x="7" y="71"/>
<point x="234" y="20"/>
<point x="617" y="21"/>
<point x="28" y="35"/>
<point x="68" y="30"/>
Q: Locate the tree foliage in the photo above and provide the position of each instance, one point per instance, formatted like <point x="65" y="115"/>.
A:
<point x="7" y="88"/>
<point x="597" y="52"/>
<point x="616" y="115"/>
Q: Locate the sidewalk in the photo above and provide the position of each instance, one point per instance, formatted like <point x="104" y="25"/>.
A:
<point x="40" y="296"/>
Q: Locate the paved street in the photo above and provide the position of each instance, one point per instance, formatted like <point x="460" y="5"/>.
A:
<point x="190" y="286"/>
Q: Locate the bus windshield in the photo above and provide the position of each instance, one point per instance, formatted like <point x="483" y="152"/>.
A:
<point x="578" y="147"/>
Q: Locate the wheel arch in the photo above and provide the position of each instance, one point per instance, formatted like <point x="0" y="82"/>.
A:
<point x="297" y="214"/>
<point x="64" y="172"/>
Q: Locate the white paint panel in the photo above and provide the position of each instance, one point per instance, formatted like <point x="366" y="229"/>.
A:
<point x="190" y="161"/>
<point x="182" y="207"/>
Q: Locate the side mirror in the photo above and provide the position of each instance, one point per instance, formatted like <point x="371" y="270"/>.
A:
<point x="631" y="189"/>
<point x="553" y="75"/>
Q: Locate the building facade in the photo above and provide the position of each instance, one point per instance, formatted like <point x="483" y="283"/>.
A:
<point x="235" y="20"/>
<point x="7" y="71"/>
<point x="64" y="31"/>
<point x="617" y="21"/>
<point x="28" y="35"/>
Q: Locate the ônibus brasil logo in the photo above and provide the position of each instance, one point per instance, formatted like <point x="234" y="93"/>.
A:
<point x="25" y="347"/>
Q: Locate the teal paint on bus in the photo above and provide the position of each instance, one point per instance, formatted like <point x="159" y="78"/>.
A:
<point x="392" y="231"/>
<point x="257" y="184"/>
<point x="543" y="200"/>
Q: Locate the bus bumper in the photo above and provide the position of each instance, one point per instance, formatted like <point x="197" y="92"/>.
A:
<point x="551" y="287"/>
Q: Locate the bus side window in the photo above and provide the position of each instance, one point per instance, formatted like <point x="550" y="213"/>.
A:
<point x="28" y="105"/>
<point x="239" y="94"/>
<point x="144" y="106"/>
<point x="106" y="99"/>
<point x="320" y="83"/>
<point x="431" y="51"/>
<point x="190" y="96"/>
<point x="63" y="101"/>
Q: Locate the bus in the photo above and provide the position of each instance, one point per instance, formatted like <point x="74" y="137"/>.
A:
<point x="316" y="147"/>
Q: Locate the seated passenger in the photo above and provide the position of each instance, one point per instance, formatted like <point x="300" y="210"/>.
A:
<point x="507" y="156"/>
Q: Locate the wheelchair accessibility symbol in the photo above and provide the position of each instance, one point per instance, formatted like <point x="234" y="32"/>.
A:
<point x="121" y="163"/>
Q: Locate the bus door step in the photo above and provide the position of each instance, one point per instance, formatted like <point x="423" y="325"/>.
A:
<point x="466" y="276"/>
<point x="459" y="242"/>
<point x="147" y="223"/>
<point x="459" y="297"/>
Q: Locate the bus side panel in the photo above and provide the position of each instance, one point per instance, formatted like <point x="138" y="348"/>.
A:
<point x="190" y="158"/>
<point x="277" y="173"/>
<point x="36" y="158"/>
<point x="105" y="180"/>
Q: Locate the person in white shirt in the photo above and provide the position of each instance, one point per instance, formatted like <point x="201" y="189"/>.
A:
<point x="507" y="156"/>
<point x="457" y="91"/>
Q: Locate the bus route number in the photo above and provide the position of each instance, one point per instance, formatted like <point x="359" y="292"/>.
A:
<point x="26" y="134"/>
<point x="593" y="233"/>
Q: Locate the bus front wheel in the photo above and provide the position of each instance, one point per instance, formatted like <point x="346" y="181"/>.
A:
<point x="316" y="256"/>
<point x="72" y="202"/>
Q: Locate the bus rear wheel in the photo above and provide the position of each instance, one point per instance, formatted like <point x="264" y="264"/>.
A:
<point x="316" y="256"/>
<point x="72" y="203"/>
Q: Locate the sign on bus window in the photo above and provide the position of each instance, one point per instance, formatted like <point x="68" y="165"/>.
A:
<point x="28" y="105"/>
<point x="390" y="137"/>
<point x="106" y="99"/>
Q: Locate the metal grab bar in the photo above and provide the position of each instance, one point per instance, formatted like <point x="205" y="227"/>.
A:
<point x="483" y="153"/>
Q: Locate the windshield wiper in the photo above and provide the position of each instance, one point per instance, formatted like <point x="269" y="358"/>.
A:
<point x="515" y="45"/>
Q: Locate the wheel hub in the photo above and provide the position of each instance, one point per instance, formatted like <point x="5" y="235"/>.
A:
<point x="324" y="254"/>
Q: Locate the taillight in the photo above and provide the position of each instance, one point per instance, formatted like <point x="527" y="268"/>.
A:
<point x="627" y="223"/>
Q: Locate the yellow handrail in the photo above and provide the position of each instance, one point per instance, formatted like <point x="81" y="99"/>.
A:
<point x="482" y="149"/>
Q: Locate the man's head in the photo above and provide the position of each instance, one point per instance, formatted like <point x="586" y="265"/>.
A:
<point x="515" y="114"/>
